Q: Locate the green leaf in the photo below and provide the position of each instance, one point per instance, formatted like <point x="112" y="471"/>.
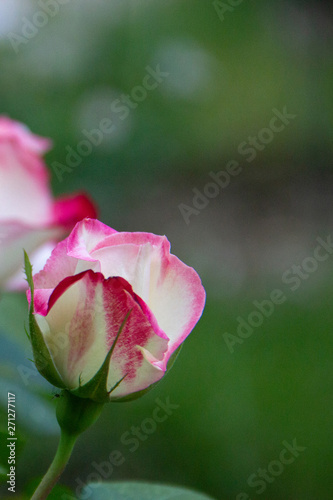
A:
<point x="28" y="272"/>
<point x="139" y="491"/>
<point x="42" y="356"/>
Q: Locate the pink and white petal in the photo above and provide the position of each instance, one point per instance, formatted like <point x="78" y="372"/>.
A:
<point x="68" y="210"/>
<point x="41" y="300"/>
<point x="10" y="129"/>
<point x="172" y="291"/>
<point x="128" y="359"/>
<point x="151" y="318"/>
<point x="15" y="236"/>
<point x="73" y="329"/>
<point x="130" y="255"/>
<point x="88" y="310"/>
<point x="63" y="262"/>
<point x="57" y="268"/>
<point x="85" y="236"/>
<point x="137" y="238"/>
<point x="131" y="262"/>
<point x="38" y="259"/>
<point x="177" y="299"/>
<point x="24" y="190"/>
<point x="147" y="373"/>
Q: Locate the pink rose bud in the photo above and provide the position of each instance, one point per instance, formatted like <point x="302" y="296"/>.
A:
<point x="111" y="309"/>
<point x="29" y="216"/>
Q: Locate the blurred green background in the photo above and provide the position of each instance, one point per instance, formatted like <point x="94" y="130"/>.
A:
<point x="228" y="68"/>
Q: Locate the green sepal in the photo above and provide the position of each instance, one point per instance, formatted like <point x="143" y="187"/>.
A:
<point x="42" y="356"/>
<point x="96" y="388"/>
<point x="75" y="414"/>
<point x="139" y="394"/>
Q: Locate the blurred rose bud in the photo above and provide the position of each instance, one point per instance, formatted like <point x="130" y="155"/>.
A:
<point x="29" y="216"/>
<point x="110" y="311"/>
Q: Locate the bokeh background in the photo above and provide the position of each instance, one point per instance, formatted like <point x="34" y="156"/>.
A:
<point x="227" y="70"/>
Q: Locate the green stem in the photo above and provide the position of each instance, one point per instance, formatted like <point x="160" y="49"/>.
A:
<point x="74" y="416"/>
<point x="59" y="463"/>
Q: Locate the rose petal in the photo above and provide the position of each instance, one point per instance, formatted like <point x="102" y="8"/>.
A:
<point x="171" y="289"/>
<point x="68" y="210"/>
<point x="12" y="130"/>
<point x="25" y="195"/>
<point x="84" y="316"/>
<point x="85" y="236"/>
<point x="57" y="268"/>
<point x="14" y="236"/>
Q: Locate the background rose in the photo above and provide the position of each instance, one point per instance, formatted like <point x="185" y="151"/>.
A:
<point x="88" y="286"/>
<point x="29" y="216"/>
